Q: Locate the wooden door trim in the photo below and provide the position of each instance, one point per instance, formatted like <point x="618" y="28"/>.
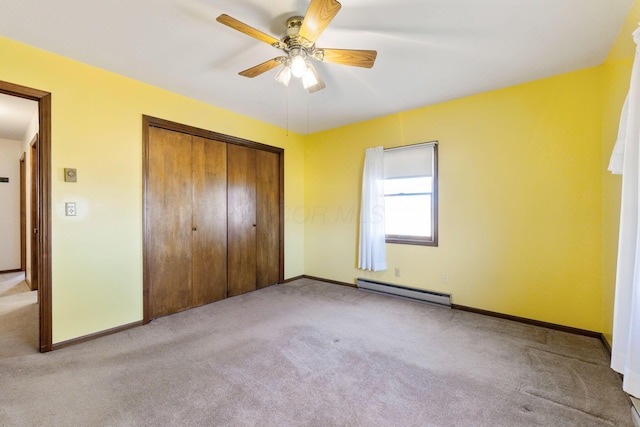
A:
<point x="146" y="234"/>
<point x="281" y="219"/>
<point x="208" y="134"/>
<point x="43" y="248"/>
<point x="148" y="121"/>
<point x="32" y="280"/>
<point x="23" y="213"/>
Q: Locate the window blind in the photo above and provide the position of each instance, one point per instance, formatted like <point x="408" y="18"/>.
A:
<point x="409" y="161"/>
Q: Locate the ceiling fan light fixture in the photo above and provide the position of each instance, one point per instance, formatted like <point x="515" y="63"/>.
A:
<point x="319" y="84"/>
<point x="298" y="62"/>
<point x="309" y="79"/>
<point x="284" y="75"/>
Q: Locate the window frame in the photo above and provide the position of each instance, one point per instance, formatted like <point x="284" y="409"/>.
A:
<point x="417" y="240"/>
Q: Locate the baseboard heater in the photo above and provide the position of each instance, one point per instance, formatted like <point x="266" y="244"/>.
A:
<point x="404" y="292"/>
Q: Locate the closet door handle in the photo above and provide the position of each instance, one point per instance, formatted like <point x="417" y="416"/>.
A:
<point x="254" y="225"/>
<point x="194" y="229"/>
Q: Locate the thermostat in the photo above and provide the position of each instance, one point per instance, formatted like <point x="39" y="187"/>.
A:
<point x="70" y="175"/>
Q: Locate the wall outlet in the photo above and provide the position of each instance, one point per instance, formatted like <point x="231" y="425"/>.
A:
<point x="445" y="278"/>
<point x="397" y="272"/>
<point x="70" y="209"/>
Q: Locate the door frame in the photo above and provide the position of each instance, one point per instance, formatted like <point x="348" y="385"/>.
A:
<point x="43" y="223"/>
<point x="23" y="213"/>
<point x="33" y="211"/>
<point x="149" y="121"/>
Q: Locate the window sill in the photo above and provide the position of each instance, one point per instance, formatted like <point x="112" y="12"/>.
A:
<point x="410" y="241"/>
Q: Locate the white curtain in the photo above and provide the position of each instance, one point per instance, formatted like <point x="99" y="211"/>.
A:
<point x="625" y="159"/>
<point x="372" y="250"/>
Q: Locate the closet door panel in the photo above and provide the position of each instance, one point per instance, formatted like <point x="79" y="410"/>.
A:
<point x="241" y="193"/>
<point x="209" y="221"/>
<point x="268" y="218"/>
<point x="169" y="216"/>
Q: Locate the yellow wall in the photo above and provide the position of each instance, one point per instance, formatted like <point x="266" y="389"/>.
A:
<point x="519" y="206"/>
<point x="616" y="73"/>
<point x="528" y="213"/>
<point x="97" y="128"/>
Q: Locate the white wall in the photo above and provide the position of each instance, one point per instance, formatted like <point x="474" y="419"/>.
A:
<point x="10" y="152"/>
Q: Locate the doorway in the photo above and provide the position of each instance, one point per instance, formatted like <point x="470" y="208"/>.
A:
<point x="41" y="226"/>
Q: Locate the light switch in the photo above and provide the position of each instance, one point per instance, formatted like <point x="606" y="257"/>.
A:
<point x="70" y="209"/>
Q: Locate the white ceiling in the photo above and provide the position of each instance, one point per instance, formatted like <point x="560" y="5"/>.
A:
<point x="15" y="116"/>
<point x="429" y="51"/>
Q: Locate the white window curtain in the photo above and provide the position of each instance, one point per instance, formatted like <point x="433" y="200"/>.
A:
<point x="372" y="251"/>
<point x="625" y="357"/>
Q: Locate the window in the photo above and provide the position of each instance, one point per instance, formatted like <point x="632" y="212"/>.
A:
<point x="411" y="194"/>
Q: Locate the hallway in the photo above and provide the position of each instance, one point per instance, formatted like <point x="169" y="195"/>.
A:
<point x="18" y="316"/>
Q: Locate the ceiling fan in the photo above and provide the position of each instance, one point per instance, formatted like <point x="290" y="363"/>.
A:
<point x="299" y="45"/>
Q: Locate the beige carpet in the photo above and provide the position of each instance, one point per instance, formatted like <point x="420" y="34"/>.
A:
<point x="18" y="316"/>
<point x="308" y="353"/>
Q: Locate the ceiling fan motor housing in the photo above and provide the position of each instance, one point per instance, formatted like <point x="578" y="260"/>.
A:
<point x="292" y="39"/>
<point x="293" y="25"/>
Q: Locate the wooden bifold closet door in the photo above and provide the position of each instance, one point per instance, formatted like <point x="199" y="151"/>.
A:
<point x="213" y="219"/>
<point x="267" y="218"/>
<point x="186" y="205"/>
<point x="209" y="220"/>
<point x="253" y="195"/>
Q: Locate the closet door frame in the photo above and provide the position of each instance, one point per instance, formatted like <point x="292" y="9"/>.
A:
<point x="149" y="121"/>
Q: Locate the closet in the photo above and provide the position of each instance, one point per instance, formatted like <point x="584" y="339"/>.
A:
<point x="212" y="217"/>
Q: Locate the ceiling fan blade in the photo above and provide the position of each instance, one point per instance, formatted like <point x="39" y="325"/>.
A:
<point x="263" y="68"/>
<point x="318" y="16"/>
<point x="319" y="85"/>
<point x="356" y="58"/>
<point x="248" y="30"/>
